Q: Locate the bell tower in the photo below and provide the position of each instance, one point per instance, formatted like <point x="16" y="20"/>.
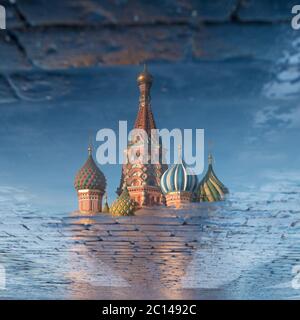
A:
<point x="142" y="177"/>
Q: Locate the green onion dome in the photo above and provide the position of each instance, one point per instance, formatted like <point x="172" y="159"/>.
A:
<point x="124" y="205"/>
<point x="211" y="188"/>
<point x="90" y="176"/>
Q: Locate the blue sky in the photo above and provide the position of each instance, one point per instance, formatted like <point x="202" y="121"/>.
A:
<point x="250" y="113"/>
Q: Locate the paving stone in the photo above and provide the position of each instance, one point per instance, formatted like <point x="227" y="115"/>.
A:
<point x="229" y="42"/>
<point x="76" y="218"/>
<point x="168" y="11"/>
<point x="47" y="13"/>
<point x="82" y="12"/>
<point x="149" y="220"/>
<point x="267" y="10"/>
<point x="113" y="227"/>
<point x="11" y="56"/>
<point x="125" y="233"/>
<point x="168" y="228"/>
<point x="69" y="48"/>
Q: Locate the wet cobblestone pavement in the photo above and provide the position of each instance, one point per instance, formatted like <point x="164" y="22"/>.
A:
<point x="239" y="249"/>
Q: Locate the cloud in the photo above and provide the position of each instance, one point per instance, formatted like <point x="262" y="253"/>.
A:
<point x="285" y="83"/>
<point x="274" y="115"/>
<point x="279" y="89"/>
<point x="260" y="155"/>
<point x="265" y="115"/>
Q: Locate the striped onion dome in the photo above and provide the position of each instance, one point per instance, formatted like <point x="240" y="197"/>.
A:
<point x="178" y="178"/>
<point x="90" y="176"/>
<point x="211" y="188"/>
<point x="124" y="205"/>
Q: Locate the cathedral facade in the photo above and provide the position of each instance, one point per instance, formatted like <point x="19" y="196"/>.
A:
<point x="146" y="183"/>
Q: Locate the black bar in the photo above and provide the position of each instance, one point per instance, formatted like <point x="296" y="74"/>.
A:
<point x="159" y="309"/>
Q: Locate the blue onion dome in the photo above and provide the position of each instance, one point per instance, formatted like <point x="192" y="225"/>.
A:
<point x="90" y="176"/>
<point x="211" y="188"/>
<point x="124" y="205"/>
<point x="178" y="178"/>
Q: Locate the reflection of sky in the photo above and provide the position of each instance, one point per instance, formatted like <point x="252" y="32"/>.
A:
<point x="248" y="108"/>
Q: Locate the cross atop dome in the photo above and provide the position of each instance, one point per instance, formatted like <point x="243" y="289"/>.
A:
<point x="210" y="159"/>
<point x="90" y="150"/>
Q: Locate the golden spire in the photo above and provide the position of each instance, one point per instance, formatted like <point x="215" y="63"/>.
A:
<point x="145" y="119"/>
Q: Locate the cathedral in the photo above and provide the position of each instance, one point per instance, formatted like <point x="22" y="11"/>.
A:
<point x="142" y="183"/>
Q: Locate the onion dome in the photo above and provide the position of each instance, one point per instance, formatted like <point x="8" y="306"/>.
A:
<point x="211" y="188"/>
<point x="90" y="176"/>
<point x="178" y="178"/>
<point x="106" y="206"/>
<point x="124" y="205"/>
<point x="145" y="76"/>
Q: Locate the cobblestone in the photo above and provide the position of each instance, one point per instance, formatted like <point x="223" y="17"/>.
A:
<point x="67" y="34"/>
<point x="143" y="260"/>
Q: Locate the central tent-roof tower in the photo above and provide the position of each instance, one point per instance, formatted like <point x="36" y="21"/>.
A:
<point x="141" y="178"/>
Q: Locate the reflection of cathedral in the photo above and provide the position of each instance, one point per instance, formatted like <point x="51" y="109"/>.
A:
<point x="142" y="178"/>
<point x="144" y="183"/>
